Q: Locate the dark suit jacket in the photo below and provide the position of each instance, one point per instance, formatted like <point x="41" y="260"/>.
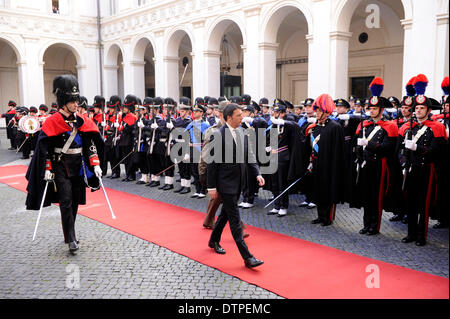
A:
<point x="228" y="177"/>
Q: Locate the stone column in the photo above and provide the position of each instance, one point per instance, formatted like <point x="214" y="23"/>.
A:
<point x="251" y="53"/>
<point x="339" y="64"/>
<point x="268" y="71"/>
<point x="212" y="73"/>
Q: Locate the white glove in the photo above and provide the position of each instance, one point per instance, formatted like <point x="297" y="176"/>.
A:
<point x="278" y="121"/>
<point x="140" y="124"/>
<point x="186" y="157"/>
<point x="312" y="120"/>
<point x="98" y="171"/>
<point x="154" y="126"/>
<point x="247" y="119"/>
<point x="362" y="142"/>
<point x="344" y="117"/>
<point x="411" y="145"/>
<point x="116" y="124"/>
<point x="48" y="176"/>
<point x="103" y="124"/>
<point x="268" y="149"/>
<point x="170" y="125"/>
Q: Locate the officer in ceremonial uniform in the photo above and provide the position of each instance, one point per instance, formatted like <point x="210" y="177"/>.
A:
<point x="182" y="122"/>
<point x="377" y="138"/>
<point x="197" y="129"/>
<point x="67" y="156"/>
<point x="10" y="132"/>
<point x="152" y="136"/>
<point x="424" y="144"/>
<point x="126" y="136"/>
<point x="304" y="122"/>
<point x="141" y="148"/>
<point x="165" y="142"/>
<point x="349" y="123"/>
<point x="22" y="138"/>
<point x="110" y="127"/>
<point x="325" y="145"/>
<point x="404" y="116"/>
<point x="288" y="134"/>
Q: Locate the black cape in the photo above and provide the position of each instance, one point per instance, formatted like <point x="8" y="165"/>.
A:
<point x="36" y="171"/>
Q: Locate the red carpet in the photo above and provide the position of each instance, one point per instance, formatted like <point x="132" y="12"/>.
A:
<point x="293" y="268"/>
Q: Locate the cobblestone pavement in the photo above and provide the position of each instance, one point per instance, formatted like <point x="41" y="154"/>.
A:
<point x="113" y="264"/>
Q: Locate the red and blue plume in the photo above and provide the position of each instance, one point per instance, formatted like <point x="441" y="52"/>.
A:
<point x="410" y="90"/>
<point x="445" y="86"/>
<point x="377" y="86"/>
<point x="420" y="84"/>
<point x="326" y="103"/>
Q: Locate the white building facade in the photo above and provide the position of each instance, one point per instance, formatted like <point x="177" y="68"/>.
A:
<point x="289" y="49"/>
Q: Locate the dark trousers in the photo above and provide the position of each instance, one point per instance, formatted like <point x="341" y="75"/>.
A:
<point x="420" y="186"/>
<point x="279" y="184"/>
<point x="326" y="213"/>
<point x="68" y="189"/>
<point x="230" y="213"/>
<point x="199" y="187"/>
<point x="11" y="133"/>
<point x="130" y="168"/>
<point x="111" y="157"/>
<point x="211" y="211"/>
<point x="155" y="164"/>
<point x="373" y="185"/>
<point x="250" y="188"/>
<point x="185" y="170"/>
<point x="141" y="162"/>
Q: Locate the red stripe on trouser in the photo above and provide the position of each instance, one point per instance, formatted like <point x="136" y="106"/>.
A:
<point x="332" y="212"/>
<point x="382" y="191"/>
<point x="428" y="201"/>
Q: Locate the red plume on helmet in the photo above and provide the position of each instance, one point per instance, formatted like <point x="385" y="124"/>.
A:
<point x="410" y="90"/>
<point x="420" y="84"/>
<point x="377" y="86"/>
<point x="445" y="86"/>
<point x="326" y="103"/>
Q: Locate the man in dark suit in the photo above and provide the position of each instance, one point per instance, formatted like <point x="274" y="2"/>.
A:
<point x="225" y="177"/>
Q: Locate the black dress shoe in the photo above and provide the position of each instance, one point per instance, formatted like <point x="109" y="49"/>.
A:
<point x="185" y="190"/>
<point x="11" y="149"/>
<point x="150" y="184"/>
<point x="114" y="176"/>
<point x="73" y="247"/>
<point x="408" y="239"/>
<point x="161" y="187"/>
<point x="217" y="248"/>
<point x="316" y="221"/>
<point x="372" y="232"/>
<point x="440" y="225"/>
<point x="155" y="184"/>
<point x="178" y="190"/>
<point x="396" y="218"/>
<point x="327" y="223"/>
<point x="364" y="231"/>
<point x="125" y="179"/>
<point x="421" y="242"/>
<point x="167" y="187"/>
<point x="141" y="183"/>
<point x="253" y="262"/>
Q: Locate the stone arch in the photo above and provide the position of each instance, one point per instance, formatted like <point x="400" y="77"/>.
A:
<point x="274" y="17"/>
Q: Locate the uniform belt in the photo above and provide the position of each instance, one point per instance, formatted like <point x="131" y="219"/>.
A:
<point x="70" y="151"/>
<point x="179" y="141"/>
<point x="163" y="140"/>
